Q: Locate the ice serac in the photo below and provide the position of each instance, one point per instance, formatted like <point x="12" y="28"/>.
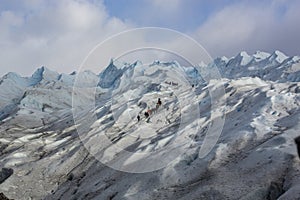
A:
<point x="110" y="75"/>
<point x="44" y="76"/>
<point x="240" y="60"/>
<point x="275" y="67"/>
<point x="67" y="79"/>
<point x="37" y="76"/>
<point x="245" y="58"/>
<point x="260" y="55"/>
<point x="278" y="56"/>
<point x="12" y="88"/>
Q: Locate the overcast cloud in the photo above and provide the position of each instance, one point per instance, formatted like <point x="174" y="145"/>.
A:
<point x="55" y="34"/>
<point x="59" y="34"/>
<point x="266" y="26"/>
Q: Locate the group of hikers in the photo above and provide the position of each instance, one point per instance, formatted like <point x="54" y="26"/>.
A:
<point x="158" y="104"/>
<point x="171" y="83"/>
<point x="150" y="111"/>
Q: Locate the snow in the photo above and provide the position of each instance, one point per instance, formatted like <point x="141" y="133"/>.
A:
<point x="278" y="56"/>
<point x="67" y="79"/>
<point x="260" y="55"/>
<point x="224" y="58"/>
<point x="254" y="157"/>
<point x="296" y="58"/>
<point x="245" y="58"/>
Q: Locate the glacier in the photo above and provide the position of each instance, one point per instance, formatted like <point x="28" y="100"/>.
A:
<point x="56" y="128"/>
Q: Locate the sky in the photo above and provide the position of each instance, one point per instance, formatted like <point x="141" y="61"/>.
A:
<point x="59" y="34"/>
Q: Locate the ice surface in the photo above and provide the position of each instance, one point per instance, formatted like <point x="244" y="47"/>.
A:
<point x="254" y="158"/>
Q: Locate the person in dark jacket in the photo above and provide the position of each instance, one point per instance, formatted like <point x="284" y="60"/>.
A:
<point x="158" y="103"/>
<point x="138" y="118"/>
<point x="297" y="141"/>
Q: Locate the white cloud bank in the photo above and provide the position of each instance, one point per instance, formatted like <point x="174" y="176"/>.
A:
<point x="60" y="34"/>
<point x="57" y="34"/>
<point x="250" y="26"/>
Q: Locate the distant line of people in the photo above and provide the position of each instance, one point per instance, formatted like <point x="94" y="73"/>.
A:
<point x="171" y="83"/>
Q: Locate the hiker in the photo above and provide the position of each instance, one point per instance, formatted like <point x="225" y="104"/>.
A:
<point x="146" y="114"/>
<point x="158" y="103"/>
<point x="138" y="118"/>
<point x="297" y="141"/>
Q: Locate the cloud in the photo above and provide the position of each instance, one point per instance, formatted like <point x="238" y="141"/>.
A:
<point x="147" y="45"/>
<point x="252" y="26"/>
<point x="58" y="34"/>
